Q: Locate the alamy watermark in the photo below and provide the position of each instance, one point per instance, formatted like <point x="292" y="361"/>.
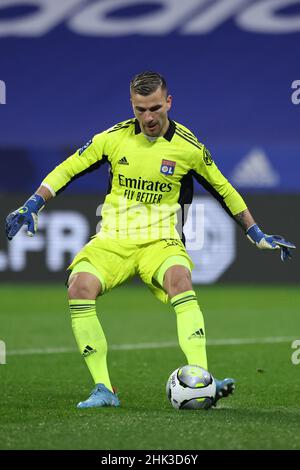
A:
<point x="2" y="92"/>
<point x="295" y="97"/>
<point x="295" y="358"/>
<point x="138" y="221"/>
<point x="2" y="352"/>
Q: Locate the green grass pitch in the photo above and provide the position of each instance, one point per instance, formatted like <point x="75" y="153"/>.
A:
<point x="42" y="383"/>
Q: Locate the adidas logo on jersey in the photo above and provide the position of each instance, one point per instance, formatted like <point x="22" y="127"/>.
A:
<point x="123" y="161"/>
<point x="88" y="351"/>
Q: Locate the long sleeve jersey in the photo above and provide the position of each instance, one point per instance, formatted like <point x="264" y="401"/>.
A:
<point x="150" y="179"/>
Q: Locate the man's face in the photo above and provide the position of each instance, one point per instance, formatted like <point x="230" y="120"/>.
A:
<point x="152" y="112"/>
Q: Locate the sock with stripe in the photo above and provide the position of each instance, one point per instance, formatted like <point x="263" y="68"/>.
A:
<point x="190" y="328"/>
<point x="90" y="339"/>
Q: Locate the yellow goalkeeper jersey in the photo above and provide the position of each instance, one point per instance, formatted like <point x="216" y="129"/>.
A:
<point x="151" y="179"/>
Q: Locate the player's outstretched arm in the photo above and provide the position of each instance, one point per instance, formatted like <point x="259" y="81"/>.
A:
<point x="87" y="158"/>
<point x="27" y="214"/>
<point x="207" y="173"/>
<point x="262" y="240"/>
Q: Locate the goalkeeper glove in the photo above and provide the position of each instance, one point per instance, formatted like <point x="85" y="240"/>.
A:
<point x="25" y="215"/>
<point x="270" y="242"/>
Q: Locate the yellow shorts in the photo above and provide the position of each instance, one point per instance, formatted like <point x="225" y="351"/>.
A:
<point x="117" y="261"/>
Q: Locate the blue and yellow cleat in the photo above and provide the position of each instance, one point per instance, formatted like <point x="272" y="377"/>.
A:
<point x="100" y="396"/>
<point x="223" y="389"/>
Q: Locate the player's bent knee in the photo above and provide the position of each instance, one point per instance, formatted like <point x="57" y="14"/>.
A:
<point x="84" y="286"/>
<point x="177" y="280"/>
<point x="179" y="287"/>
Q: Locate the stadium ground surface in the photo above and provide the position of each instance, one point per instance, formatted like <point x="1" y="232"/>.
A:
<point x="250" y="332"/>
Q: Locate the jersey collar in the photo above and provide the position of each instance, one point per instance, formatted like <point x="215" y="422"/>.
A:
<point x="168" y="135"/>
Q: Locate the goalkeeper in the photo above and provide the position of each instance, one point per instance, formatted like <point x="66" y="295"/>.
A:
<point x="152" y="161"/>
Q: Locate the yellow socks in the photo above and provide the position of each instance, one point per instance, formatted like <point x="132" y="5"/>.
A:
<point x="90" y="339"/>
<point x="93" y="346"/>
<point x="190" y="328"/>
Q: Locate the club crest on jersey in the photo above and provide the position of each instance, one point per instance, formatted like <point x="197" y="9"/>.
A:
<point x="167" y="167"/>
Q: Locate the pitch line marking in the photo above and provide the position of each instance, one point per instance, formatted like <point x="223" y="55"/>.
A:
<point x="165" y="344"/>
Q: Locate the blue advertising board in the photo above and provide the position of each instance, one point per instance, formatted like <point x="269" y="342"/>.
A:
<point x="232" y="67"/>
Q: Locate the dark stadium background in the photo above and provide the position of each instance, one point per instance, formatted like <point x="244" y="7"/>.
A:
<point x="233" y="70"/>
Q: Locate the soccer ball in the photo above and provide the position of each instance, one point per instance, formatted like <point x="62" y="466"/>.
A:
<point x="191" y="388"/>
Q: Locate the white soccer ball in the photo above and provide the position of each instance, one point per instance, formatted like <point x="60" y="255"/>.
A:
<point x="191" y="388"/>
